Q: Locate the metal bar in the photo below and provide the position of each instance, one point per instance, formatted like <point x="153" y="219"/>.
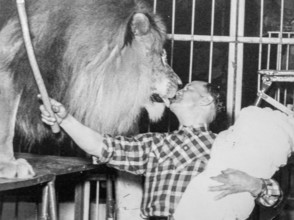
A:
<point x="279" y="55"/>
<point x="282" y="78"/>
<point x="86" y="200"/>
<point x="97" y="199"/>
<point x="52" y="200"/>
<point x="285" y="96"/>
<point x="266" y="83"/>
<point x="192" y="41"/>
<point x="261" y="19"/>
<point x="109" y="198"/>
<point x="173" y="32"/>
<point x="278" y="95"/>
<point x="293" y="97"/>
<point x="287" y="55"/>
<point x="270" y="72"/>
<point x="45" y="203"/>
<point x="260" y="43"/>
<point x="239" y="58"/>
<point x="211" y="42"/>
<point x="231" y="39"/>
<point x="154" y="6"/>
<point x="172" y="50"/>
<point x="79" y="195"/>
<point x="232" y="65"/>
<point x="276" y="104"/>
<point x="235" y="62"/>
<point x="268" y="53"/>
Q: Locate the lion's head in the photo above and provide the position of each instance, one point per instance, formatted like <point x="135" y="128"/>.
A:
<point x="118" y="67"/>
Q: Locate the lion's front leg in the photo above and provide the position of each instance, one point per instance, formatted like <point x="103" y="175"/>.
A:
<point x="9" y="101"/>
<point x="19" y="168"/>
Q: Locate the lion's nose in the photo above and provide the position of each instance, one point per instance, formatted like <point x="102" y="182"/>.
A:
<point x="178" y="80"/>
<point x="174" y="77"/>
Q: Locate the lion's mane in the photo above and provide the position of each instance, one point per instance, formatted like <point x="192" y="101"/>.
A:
<point x="84" y="53"/>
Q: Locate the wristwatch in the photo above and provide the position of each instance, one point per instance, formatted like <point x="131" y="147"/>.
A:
<point x="263" y="189"/>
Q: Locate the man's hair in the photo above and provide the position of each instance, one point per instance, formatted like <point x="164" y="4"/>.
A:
<point x="214" y="91"/>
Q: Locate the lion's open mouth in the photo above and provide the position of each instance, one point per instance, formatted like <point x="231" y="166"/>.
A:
<point x="156" y="98"/>
<point x="167" y="101"/>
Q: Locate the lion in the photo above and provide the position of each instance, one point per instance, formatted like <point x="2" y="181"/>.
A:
<point x="103" y="59"/>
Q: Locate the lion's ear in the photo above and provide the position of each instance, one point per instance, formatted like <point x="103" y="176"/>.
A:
<point x="140" y="24"/>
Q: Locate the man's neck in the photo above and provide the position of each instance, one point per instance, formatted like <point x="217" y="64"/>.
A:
<point x="194" y="120"/>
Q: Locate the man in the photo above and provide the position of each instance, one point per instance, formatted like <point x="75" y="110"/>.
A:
<point x="169" y="161"/>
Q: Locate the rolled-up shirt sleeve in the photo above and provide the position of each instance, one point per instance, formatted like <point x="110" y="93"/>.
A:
<point x="129" y="154"/>
<point x="271" y="195"/>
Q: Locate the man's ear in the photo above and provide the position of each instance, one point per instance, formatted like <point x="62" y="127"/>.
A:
<point x="206" y="100"/>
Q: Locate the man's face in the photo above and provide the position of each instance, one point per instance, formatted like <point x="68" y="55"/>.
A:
<point x="190" y="95"/>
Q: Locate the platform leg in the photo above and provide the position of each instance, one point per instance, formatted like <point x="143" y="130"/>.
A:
<point x="52" y="200"/>
<point x="86" y="198"/>
<point x="79" y="201"/>
<point x="97" y="200"/>
<point x="109" y="199"/>
<point x="45" y="201"/>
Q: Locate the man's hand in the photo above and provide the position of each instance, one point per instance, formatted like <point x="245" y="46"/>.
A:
<point x="59" y="111"/>
<point x="235" y="181"/>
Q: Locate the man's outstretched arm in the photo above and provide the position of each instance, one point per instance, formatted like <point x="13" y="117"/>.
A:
<point x="87" y="139"/>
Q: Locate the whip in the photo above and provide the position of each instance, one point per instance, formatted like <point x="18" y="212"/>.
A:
<point x="33" y="62"/>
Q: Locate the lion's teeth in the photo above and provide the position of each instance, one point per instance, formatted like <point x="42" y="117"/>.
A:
<point x="166" y="102"/>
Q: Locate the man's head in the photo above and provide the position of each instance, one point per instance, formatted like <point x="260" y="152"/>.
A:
<point x="196" y="103"/>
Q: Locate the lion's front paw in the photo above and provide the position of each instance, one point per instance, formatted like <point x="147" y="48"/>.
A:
<point x="19" y="168"/>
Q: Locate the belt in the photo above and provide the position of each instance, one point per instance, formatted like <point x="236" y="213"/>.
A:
<point x="158" y="218"/>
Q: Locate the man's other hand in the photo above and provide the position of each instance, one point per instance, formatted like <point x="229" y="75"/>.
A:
<point x="236" y="181"/>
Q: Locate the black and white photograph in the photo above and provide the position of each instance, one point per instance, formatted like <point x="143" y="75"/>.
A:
<point x="146" y="109"/>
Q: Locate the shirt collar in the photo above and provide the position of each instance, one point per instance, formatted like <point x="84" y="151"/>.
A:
<point x="198" y="127"/>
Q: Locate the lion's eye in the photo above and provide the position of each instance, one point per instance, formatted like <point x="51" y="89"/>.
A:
<point x="164" y="58"/>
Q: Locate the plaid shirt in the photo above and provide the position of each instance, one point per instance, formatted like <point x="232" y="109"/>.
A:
<point x="168" y="161"/>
